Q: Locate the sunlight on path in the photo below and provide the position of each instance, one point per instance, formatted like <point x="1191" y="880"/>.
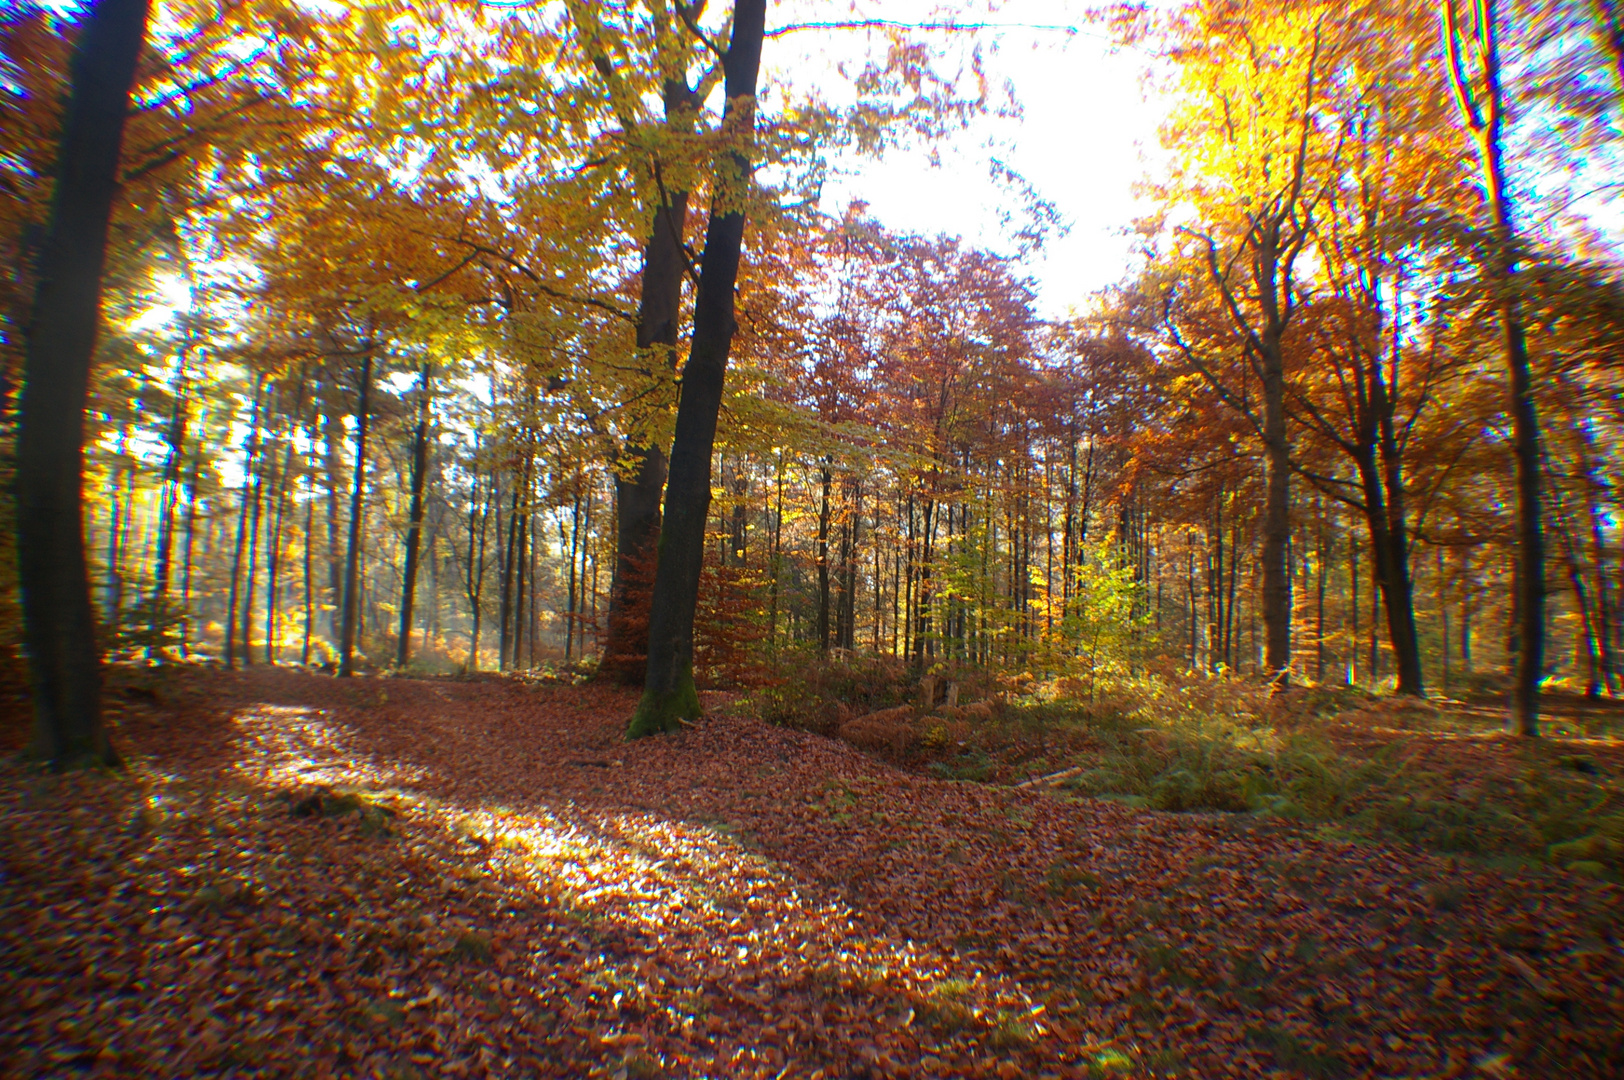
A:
<point x="686" y="923"/>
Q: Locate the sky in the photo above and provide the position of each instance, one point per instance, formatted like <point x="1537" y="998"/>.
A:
<point x="1086" y="134"/>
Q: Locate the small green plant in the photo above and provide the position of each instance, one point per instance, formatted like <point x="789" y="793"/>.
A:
<point x="472" y="946"/>
<point x="946" y="1010"/>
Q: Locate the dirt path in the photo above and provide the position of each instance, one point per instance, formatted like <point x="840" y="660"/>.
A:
<point x="519" y="893"/>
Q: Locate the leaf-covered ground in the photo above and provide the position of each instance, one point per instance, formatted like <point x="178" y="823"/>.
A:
<point x="302" y="876"/>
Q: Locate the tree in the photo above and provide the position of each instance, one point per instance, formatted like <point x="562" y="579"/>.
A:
<point x="60" y="629"/>
<point x="669" y="695"/>
<point x="1255" y="72"/>
<point x="1474" y="67"/>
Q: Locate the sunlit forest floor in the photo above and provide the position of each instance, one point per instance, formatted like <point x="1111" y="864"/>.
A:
<point x="299" y="875"/>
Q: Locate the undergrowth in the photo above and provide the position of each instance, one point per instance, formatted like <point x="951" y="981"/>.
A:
<point x="1397" y="769"/>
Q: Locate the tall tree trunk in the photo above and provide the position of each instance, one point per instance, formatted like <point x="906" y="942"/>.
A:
<point x="574" y="541"/>
<point x="1478" y="93"/>
<point x="169" y="494"/>
<point x="825" y="479"/>
<point x="335" y="563"/>
<point x="669" y="695"/>
<point x="509" y="554"/>
<point x="59" y="624"/>
<point x="186" y="554"/>
<point x="640" y="482"/>
<point x="1277" y="502"/>
<point x="352" y="551"/>
<point x="253" y="557"/>
<point x="249" y="465"/>
<point x="309" y="590"/>
<point x="414" y="527"/>
<point x="479" y="518"/>
<point x="1389" y="546"/>
<point x="273" y="552"/>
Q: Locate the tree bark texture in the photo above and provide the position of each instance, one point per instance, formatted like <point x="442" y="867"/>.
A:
<point x="669" y="695"/>
<point x="59" y="624"/>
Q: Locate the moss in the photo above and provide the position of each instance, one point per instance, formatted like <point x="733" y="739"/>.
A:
<point x="659" y="713"/>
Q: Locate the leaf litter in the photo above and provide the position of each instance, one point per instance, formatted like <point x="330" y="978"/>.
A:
<point x="410" y="878"/>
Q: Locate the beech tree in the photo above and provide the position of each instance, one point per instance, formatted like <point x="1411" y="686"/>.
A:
<point x="669" y="695"/>
<point x="60" y="625"/>
<point x="1474" y="66"/>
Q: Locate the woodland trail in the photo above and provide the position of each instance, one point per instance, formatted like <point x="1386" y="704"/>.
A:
<point x="495" y="885"/>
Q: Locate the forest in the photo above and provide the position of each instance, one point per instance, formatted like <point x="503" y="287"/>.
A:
<point x="504" y="574"/>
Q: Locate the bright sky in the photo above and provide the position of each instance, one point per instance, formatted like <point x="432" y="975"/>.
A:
<point x="1087" y="134"/>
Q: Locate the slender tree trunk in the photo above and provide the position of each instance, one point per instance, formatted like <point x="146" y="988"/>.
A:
<point x="250" y="464"/>
<point x="1443" y="614"/>
<point x="59" y="624"/>
<point x="186" y="554"/>
<point x="1353" y="608"/>
<point x="1389" y="545"/>
<point x="309" y="590"/>
<point x="352" y="551"/>
<point x="414" y="528"/>
<point x="825" y="477"/>
<point x="669" y="695"/>
<point x="273" y="554"/>
<point x="1478" y="92"/>
<point x="574" y="549"/>
<point x="1276" y="515"/>
<point x="253" y="561"/>
<point x="479" y="518"/>
<point x="169" y="496"/>
<point x="335" y="563"/>
<point x="509" y="552"/>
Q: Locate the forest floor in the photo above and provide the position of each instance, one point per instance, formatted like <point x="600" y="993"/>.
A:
<point x="396" y="878"/>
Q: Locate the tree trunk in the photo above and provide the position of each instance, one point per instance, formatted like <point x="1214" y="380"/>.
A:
<point x="352" y="552"/>
<point x="479" y="518"/>
<point x="1478" y="93"/>
<point x="414" y="528"/>
<point x="169" y="496"/>
<point x="309" y="591"/>
<point x="273" y="553"/>
<point x="669" y="695"/>
<point x="638" y="489"/>
<point x="186" y="552"/>
<point x="509" y="553"/>
<point x="335" y="564"/>
<point x="253" y="557"/>
<point x="59" y="624"/>
<point x="825" y="477"/>
<point x="250" y="462"/>
<point x="1391" y="562"/>
<point x="1277" y="511"/>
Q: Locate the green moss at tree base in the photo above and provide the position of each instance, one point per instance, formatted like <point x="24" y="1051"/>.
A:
<point x="659" y="713"/>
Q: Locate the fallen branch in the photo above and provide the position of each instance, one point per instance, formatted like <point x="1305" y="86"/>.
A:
<point x="1053" y="778"/>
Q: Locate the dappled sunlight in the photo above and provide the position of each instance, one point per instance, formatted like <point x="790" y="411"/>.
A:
<point x="634" y="930"/>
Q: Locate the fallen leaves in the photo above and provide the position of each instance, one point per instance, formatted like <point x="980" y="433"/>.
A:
<point x="473" y="894"/>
